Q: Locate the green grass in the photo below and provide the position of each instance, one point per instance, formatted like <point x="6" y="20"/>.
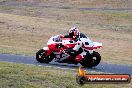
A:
<point x="14" y="75"/>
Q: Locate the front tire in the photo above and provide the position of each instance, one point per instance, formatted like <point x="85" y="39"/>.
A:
<point x="91" y="60"/>
<point x="42" y="58"/>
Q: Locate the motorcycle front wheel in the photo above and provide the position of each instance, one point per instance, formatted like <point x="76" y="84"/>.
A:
<point x="42" y="58"/>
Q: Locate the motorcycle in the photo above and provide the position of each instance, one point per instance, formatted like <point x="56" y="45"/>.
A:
<point x="61" y="51"/>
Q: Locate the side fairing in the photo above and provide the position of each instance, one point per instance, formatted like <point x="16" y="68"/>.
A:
<point x="90" y="45"/>
<point x="87" y="44"/>
<point x="68" y="43"/>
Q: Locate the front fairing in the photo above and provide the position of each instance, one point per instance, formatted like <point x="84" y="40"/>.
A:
<point x="65" y="42"/>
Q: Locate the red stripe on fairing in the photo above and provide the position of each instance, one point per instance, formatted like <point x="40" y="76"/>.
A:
<point x="79" y="58"/>
<point x="97" y="47"/>
<point x="88" y="48"/>
<point x="69" y="45"/>
<point x="52" y="47"/>
<point x="91" y="48"/>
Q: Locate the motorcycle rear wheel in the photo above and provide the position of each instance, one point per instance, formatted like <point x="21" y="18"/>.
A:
<point x="91" y="61"/>
<point x="42" y="58"/>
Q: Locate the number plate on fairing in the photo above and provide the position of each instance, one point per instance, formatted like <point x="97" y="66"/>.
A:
<point x="61" y="56"/>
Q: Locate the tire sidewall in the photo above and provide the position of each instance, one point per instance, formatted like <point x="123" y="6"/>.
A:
<point x="45" y="59"/>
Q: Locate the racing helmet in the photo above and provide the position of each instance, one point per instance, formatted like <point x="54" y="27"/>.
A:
<point x="73" y="32"/>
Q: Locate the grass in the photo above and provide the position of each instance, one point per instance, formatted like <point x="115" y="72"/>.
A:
<point x="84" y="3"/>
<point x="27" y="76"/>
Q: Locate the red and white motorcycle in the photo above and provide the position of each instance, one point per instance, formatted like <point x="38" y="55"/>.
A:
<point x="66" y="50"/>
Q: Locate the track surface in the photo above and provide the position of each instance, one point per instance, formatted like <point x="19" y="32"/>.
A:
<point x="102" y="67"/>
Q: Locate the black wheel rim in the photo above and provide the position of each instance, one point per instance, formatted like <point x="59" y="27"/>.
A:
<point x="94" y="60"/>
<point x="41" y="55"/>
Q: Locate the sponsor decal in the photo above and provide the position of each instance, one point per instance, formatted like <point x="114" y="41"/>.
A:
<point x="83" y="78"/>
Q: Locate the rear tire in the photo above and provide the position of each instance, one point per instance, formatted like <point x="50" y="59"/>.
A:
<point x="42" y="58"/>
<point x="91" y="60"/>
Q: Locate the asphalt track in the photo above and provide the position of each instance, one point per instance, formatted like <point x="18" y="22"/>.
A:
<point x="102" y="67"/>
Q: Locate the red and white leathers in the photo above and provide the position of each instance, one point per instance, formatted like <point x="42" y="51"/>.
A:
<point x="76" y="48"/>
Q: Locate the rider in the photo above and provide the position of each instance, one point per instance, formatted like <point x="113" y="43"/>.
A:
<point x="75" y="35"/>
